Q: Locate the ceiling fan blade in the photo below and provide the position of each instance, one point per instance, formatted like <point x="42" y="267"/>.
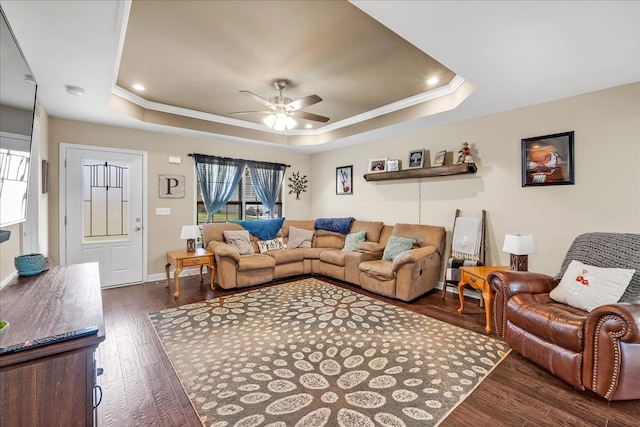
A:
<point x="309" y="116"/>
<point x="258" y="98"/>
<point x="303" y="102"/>
<point x="252" y="112"/>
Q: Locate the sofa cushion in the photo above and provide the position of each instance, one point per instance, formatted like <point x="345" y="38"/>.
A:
<point x="255" y="262"/>
<point x="381" y="269"/>
<point x="556" y="323"/>
<point x="352" y="240"/>
<point x="287" y="256"/>
<point x="372" y="228"/>
<point x="370" y="247"/>
<point x="266" y="229"/>
<point x="270" y="245"/>
<point x="299" y="238"/>
<point x="240" y="239"/>
<point x="396" y="245"/>
<point x="587" y="287"/>
<point x="333" y="257"/>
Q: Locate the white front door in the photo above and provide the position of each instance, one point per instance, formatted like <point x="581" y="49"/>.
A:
<point x="103" y="199"/>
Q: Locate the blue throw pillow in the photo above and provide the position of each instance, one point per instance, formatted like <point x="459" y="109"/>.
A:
<point x="265" y="229"/>
<point x="395" y="246"/>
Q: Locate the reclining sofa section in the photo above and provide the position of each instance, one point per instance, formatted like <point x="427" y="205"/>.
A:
<point x="406" y="276"/>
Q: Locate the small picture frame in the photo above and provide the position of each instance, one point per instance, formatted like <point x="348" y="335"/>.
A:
<point x="377" y="165"/>
<point x="393" y="165"/>
<point x="439" y="160"/>
<point x="344" y="180"/>
<point x="416" y="159"/>
<point x="548" y="160"/>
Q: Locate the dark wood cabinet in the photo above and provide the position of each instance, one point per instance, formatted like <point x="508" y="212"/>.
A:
<point x="51" y="385"/>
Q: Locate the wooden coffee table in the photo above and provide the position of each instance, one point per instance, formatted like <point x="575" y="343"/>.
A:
<point x="476" y="277"/>
<point x="182" y="259"/>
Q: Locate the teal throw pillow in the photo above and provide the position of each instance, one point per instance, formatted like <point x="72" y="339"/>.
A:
<point x="396" y="245"/>
<point x="352" y="240"/>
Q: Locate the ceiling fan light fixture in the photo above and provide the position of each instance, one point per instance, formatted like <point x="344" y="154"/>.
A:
<point x="280" y="121"/>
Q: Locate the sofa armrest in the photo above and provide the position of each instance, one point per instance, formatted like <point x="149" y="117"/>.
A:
<point x="412" y="256"/>
<point x="611" y="359"/>
<point x="370" y="247"/>
<point x="226" y="250"/>
<point x="506" y="283"/>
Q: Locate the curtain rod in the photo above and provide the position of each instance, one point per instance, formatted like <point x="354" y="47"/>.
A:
<point x="231" y="158"/>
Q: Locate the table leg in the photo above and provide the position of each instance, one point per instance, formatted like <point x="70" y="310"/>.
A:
<point x="461" y="286"/>
<point x="166" y="270"/>
<point x="212" y="268"/>
<point x="487" y="297"/>
<point x="176" y="278"/>
<point x="201" y="272"/>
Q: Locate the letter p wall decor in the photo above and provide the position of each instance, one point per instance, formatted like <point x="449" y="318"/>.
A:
<point x="171" y="186"/>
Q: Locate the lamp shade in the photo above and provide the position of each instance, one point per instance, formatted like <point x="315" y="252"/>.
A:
<point x="519" y="244"/>
<point x="189" y="232"/>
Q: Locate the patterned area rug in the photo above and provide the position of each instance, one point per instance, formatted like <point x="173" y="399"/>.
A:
<point x="308" y="353"/>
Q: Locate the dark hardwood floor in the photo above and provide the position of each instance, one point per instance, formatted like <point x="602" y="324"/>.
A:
<point x="140" y="387"/>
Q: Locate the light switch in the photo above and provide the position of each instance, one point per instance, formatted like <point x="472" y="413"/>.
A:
<point x="176" y="160"/>
<point x="163" y="211"/>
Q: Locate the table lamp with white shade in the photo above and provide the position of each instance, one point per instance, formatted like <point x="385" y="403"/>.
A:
<point x="519" y="246"/>
<point x="190" y="233"/>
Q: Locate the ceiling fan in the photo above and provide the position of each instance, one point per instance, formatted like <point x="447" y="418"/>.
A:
<point x="283" y="109"/>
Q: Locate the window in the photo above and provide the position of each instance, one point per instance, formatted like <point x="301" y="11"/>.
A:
<point x="244" y="204"/>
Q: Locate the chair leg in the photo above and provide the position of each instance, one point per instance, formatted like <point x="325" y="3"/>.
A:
<point x="444" y="289"/>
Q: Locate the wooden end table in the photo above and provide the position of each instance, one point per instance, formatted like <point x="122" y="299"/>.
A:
<point x="182" y="259"/>
<point x="476" y="277"/>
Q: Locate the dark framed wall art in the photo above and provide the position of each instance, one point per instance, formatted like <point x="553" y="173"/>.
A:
<point x="344" y="180"/>
<point x="548" y="160"/>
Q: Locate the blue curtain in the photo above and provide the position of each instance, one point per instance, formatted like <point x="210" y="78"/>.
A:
<point x="219" y="178"/>
<point x="267" y="181"/>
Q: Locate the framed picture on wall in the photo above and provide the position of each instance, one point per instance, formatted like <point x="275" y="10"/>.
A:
<point x="548" y="160"/>
<point x="377" y="165"/>
<point x="416" y="159"/>
<point x="344" y="180"/>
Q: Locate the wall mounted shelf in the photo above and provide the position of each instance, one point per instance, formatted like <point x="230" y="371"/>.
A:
<point x="457" y="169"/>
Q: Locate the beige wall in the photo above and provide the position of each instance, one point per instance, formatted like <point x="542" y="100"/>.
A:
<point x="164" y="231"/>
<point x="605" y="197"/>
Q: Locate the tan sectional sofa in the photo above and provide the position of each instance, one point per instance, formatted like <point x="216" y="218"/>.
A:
<point x="409" y="275"/>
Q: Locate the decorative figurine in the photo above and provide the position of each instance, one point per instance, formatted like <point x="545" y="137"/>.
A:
<point x="465" y="154"/>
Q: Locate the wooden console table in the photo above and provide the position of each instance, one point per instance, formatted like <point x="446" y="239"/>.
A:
<point x="51" y="385"/>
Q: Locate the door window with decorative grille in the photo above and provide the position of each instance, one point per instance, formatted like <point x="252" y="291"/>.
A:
<point x="105" y="201"/>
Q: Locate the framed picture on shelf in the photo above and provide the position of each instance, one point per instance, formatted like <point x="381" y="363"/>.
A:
<point x="439" y="160"/>
<point x="377" y="165"/>
<point x="344" y="180"/>
<point x="416" y="159"/>
<point x="548" y="160"/>
<point x="393" y="165"/>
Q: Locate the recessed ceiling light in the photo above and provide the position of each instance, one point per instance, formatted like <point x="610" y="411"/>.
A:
<point x="138" y="87"/>
<point x="432" y="81"/>
<point x="308" y="126"/>
<point x="75" y="90"/>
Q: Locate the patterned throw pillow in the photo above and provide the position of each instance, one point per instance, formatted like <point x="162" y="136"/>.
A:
<point x="299" y="238"/>
<point x="240" y="239"/>
<point x="396" y="245"/>
<point x="352" y="240"/>
<point x="270" y="245"/>
<point x="587" y="287"/>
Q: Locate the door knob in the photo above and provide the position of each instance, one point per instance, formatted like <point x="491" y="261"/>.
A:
<point x="138" y="228"/>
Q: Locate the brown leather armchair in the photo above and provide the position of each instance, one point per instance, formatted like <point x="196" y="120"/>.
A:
<point x="597" y="350"/>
